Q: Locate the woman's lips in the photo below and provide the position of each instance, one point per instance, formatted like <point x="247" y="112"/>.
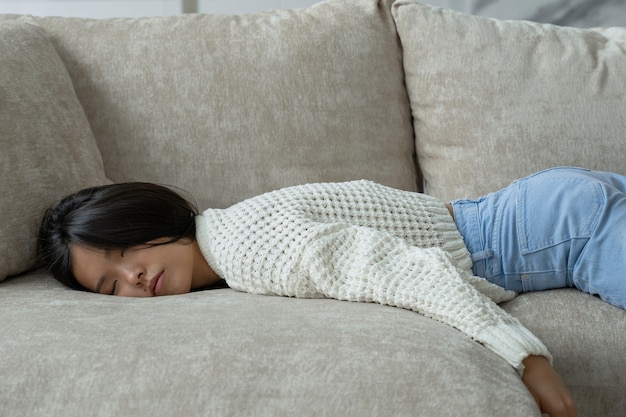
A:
<point x="156" y="284"/>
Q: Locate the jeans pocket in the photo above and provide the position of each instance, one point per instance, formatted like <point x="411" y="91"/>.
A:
<point x="554" y="209"/>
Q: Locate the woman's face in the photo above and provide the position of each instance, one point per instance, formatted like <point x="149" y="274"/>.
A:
<point x="144" y="271"/>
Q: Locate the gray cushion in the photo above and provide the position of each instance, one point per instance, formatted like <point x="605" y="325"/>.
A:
<point x="225" y="353"/>
<point x="495" y="100"/>
<point x="47" y="149"/>
<point x="228" y="107"/>
<point x="587" y="337"/>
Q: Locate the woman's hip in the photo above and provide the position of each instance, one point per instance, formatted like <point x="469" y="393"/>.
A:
<point x="529" y="235"/>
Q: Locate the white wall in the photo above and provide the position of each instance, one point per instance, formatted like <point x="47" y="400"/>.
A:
<point x="247" y="6"/>
<point x="134" y="8"/>
<point x="91" y="8"/>
<point x="582" y="13"/>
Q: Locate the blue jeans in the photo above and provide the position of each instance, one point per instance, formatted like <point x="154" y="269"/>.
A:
<point x="562" y="227"/>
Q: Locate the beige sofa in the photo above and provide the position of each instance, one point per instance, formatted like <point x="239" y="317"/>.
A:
<point x="227" y="107"/>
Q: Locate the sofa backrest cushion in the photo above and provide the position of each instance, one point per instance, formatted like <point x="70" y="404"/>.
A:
<point x="47" y="149"/>
<point x="227" y="107"/>
<point x="496" y="100"/>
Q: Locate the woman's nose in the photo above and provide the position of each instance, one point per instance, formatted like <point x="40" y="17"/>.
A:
<point x="134" y="275"/>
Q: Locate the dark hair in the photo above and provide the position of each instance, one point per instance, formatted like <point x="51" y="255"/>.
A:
<point x="113" y="217"/>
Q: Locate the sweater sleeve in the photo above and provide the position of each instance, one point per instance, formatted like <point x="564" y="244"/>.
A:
<point x="361" y="264"/>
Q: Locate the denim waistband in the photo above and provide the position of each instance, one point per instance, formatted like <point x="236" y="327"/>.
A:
<point x="466" y="213"/>
<point x="479" y="222"/>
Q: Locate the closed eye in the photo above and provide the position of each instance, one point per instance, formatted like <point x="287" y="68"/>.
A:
<point x="114" y="287"/>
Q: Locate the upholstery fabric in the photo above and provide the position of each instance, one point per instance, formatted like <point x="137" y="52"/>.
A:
<point x="47" y="149"/>
<point x="225" y="353"/>
<point x="494" y="100"/>
<point x="587" y="337"/>
<point x="228" y="107"/>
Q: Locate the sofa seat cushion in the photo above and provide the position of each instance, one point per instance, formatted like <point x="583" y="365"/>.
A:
<point x="494" y="100"/>
<point x="587" y="338"/>
<point x="47" y="149"/>
<point x="225" y="353"/>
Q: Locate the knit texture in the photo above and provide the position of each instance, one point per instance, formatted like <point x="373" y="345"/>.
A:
<point x="361" y="241"/>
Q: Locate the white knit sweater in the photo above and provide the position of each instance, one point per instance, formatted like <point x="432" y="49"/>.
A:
<point x="361" y="241"/>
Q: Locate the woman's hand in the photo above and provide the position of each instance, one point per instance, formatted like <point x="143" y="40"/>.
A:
<point x="547" y="388"/>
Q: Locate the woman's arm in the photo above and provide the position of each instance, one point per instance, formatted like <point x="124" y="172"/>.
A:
<point x="361" y="264"/>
